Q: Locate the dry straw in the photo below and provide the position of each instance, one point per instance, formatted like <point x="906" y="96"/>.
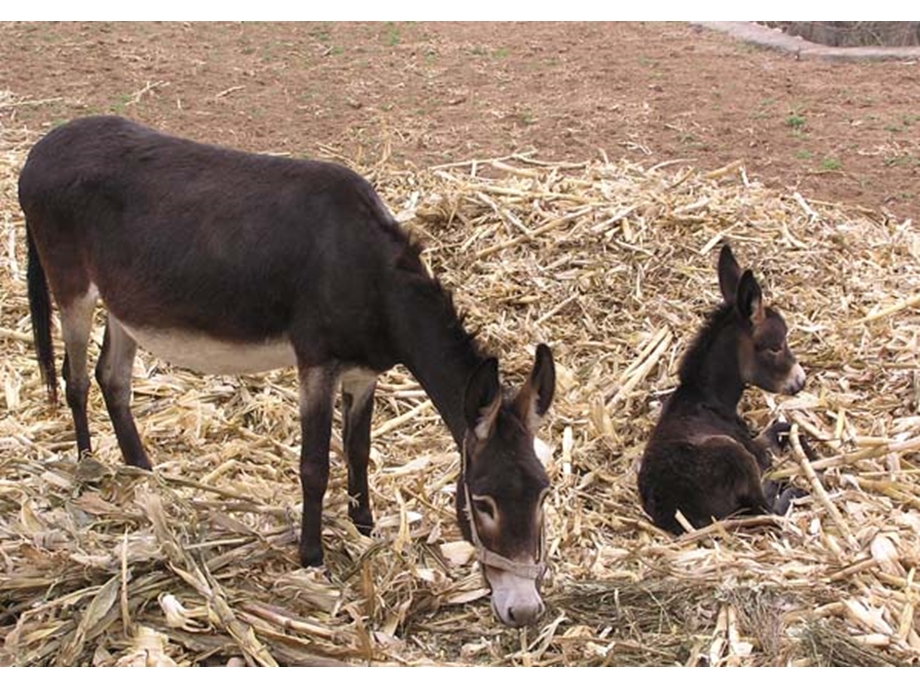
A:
<point x="611" y="264"/>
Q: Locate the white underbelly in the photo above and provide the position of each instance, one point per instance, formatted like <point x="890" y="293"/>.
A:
<point x="211" y="356"/>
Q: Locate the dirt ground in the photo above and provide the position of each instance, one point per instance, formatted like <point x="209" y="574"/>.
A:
<point x="434" y="93"/>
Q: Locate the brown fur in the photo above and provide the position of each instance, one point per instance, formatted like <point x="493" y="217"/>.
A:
<point x="701" y="458"/>
<point x="244" y="249"/>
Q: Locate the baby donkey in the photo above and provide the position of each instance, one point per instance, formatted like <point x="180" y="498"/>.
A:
<point x="702" y="459"/>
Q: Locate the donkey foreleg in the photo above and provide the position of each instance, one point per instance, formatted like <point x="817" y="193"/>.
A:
<point x="774" y="440"/>
<point x="784" y="497"/>
<point x="317" y="393"/>
<point x="357" y="409"/>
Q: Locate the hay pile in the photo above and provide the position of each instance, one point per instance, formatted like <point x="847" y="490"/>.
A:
<point x="613" y="266"/>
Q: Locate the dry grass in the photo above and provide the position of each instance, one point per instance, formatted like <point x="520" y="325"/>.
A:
<point x="611" y="264"/>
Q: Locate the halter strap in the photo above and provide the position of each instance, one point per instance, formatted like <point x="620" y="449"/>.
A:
<point x="531" y="571"/>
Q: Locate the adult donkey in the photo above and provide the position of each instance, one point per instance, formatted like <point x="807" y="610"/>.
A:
<point x="229" y="262"/>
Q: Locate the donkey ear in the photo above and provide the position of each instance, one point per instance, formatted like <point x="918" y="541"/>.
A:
<point x="533" y="400"/>
<point x="729" y="274"/>
<point x="750" y="298"/>
<point x="483" y="399"/>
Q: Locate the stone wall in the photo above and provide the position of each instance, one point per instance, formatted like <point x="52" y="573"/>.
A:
<point x="850" y="34"/>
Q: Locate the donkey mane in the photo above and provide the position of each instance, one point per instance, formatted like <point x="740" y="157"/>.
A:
<point x="457" y="321"/>
<point x="692" y="364"/>
<point x="410" y="264"/>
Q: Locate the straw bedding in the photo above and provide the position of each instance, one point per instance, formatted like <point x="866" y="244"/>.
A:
<point x="611" y="264"/>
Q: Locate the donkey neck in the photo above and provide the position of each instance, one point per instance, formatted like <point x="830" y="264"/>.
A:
<point x="430" y="339"/>
<point x="711" y="368"/>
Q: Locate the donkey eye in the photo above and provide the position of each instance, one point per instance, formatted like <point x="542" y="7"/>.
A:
<point x="485" y="507"/>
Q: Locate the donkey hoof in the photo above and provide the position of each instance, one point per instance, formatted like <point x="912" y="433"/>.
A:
<point x="91" y="470"/>
<point x="363" y="522"/>
<point x="785" y="499"/>
<point x="311" y="557"/>
<point x="778" y="434"/>
<point x="140" y="462"/>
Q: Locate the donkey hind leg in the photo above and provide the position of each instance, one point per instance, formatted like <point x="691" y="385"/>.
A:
<point x="728" y="481"/>
<point x="317" y="394"/>
<point x="357" y="409"/>
<point x="113" y="372"/>
<point x="76" y="324"/>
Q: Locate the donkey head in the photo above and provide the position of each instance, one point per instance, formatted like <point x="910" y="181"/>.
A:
<point x="764" y="355"/>
<point x="502" y="486"/>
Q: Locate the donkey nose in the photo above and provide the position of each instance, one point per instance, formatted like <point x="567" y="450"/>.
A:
<point x="796" y="380"/>
<point x="525" y="614"/>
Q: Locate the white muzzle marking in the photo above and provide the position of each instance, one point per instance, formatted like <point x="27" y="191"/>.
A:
<point x="515" y="599"/>
<point x="796" y="380"/>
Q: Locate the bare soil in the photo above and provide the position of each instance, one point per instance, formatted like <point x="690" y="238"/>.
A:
<point x="429" y="93"/>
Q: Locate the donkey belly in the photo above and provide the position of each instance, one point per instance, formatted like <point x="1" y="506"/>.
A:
<point x="208" y="355"/>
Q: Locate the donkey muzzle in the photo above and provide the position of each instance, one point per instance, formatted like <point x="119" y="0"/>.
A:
<point x="795" y="381"/>
<point x="515" y="599"/>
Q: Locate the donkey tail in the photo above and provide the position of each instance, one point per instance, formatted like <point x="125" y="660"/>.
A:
<point x="40" y="309"/>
